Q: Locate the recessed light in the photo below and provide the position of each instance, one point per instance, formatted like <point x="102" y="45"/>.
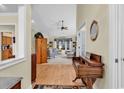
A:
<point x="32" y="21"/>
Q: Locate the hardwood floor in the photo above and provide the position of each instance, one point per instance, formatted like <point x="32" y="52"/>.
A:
<point x="56" y="74"/>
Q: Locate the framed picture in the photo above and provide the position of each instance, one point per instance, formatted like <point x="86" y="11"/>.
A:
<point x="94" y="30"/>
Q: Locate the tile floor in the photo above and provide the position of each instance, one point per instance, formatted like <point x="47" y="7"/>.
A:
<point x="60" y="60"/>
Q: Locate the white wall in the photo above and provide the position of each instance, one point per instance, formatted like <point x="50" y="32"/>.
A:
<point x="100" y="13"/>
<point x="22" y="69"/>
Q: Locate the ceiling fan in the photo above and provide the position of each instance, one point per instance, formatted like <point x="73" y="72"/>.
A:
<point x="62" y="25"/>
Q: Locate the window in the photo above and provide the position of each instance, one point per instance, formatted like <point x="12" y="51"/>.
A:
<point x="64" y="43"/>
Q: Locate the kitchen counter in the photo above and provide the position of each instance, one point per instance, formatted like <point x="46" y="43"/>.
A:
<point x="9" y="82"/>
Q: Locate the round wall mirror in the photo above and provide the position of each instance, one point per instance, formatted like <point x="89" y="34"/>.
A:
<point x="94" y="30"/>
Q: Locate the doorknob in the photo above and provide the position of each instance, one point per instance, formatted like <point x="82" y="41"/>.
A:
<point x="122" y="59"/>
<point x="116" y="60"/>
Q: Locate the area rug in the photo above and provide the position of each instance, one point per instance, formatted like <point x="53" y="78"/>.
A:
<point x="57" y="87"/>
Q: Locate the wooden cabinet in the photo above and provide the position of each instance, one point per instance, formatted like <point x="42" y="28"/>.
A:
<point x="6" y="40"/>
<point x="38" y="50"/>
<point x="33" y="68"/>
<point x="6" y="54"/>
<point x="44" y="51"/>
<point x="6" y="49"/>
<point x="41" y="50"/>
<point x="9" y="40"/>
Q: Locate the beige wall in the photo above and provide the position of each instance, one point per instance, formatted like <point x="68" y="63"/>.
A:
<point x="22" y="69"/>
<point x="100" y="13"/>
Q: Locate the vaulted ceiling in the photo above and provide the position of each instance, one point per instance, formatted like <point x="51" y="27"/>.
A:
<point x="45" y="18"/>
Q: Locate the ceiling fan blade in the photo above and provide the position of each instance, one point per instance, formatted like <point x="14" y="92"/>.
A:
<point x="60" y="25"/>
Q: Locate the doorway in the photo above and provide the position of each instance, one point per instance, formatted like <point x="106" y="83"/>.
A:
<point x="81" y="42"/>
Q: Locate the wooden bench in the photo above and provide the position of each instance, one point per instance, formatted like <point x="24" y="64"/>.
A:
<point x="88" y="69"/>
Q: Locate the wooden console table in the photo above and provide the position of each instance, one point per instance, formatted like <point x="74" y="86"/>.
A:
<point x="88" y="70"/>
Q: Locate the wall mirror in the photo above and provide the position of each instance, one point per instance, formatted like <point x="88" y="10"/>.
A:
<point x="7" y="42"/>
<point x="94" y="30"/>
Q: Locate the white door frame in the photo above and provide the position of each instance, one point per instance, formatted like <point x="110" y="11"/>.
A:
<point x="82" y="30"/>
<point x="115" y="57"/>
<point x="113" y="46"/>
<point x="120" y="44"/>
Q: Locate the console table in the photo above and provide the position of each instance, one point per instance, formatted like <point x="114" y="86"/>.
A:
<point x="88" y="69"/>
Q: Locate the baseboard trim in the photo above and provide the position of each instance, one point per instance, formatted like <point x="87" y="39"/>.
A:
<point x="95" y="87"/>
<point x="30" y="87"/>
